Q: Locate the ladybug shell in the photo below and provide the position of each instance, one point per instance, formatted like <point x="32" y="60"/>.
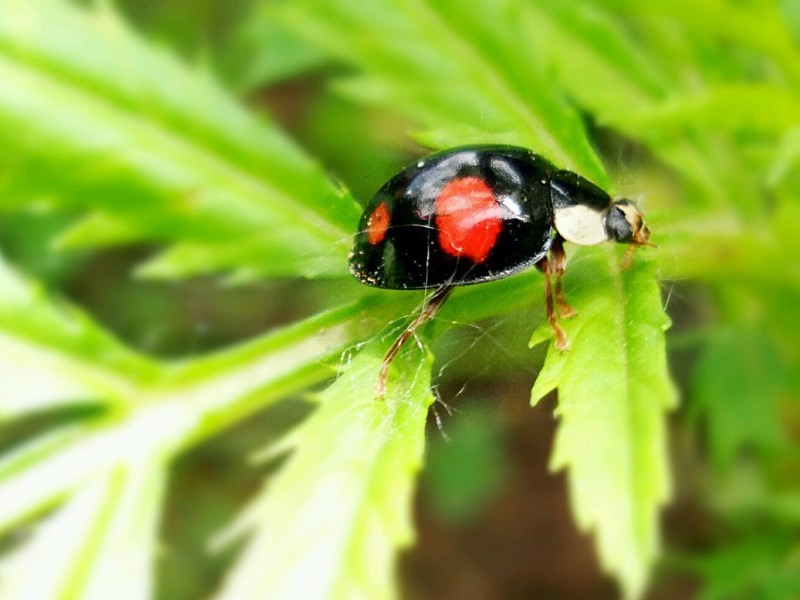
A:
<point x="461" y="216"/>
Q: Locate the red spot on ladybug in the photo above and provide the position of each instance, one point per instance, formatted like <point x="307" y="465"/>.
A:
<point x="377" y="224"/>
<point x="469" y="218"/>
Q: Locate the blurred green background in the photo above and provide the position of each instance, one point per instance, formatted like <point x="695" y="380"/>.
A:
<point x="690" y="108"/>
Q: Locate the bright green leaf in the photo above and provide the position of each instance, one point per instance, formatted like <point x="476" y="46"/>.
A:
<point x="786" y="156"/>
<point x="51" y="353"/>
<point x="728" y="21"/>
<point x="329" y="524"/>
<point x="190" y="401"/>
<point x="453" y="68"/>
<point x="154" y="150"/>
<point x="617" y="75"/>
<point x="731" y="108"/>
<point x="613" y="393"/>
<point x="103" y="537"/>
<point x="604" y="69"/>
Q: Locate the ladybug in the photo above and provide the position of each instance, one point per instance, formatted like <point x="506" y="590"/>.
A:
<point x="479" y="213"/>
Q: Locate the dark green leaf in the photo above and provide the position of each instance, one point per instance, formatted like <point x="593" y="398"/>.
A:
<point x="736" y="392"/>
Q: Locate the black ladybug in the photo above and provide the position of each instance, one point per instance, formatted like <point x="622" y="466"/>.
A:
<point x="479" y="213"/>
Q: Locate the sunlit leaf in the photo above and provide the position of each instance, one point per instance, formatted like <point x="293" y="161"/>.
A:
<point x="51" y="353"/>
<point x="190" y="401"/>
<point x="329" y="524"/>
<point x="451" y="68"/>
<point x="622" y="78"/>
<point x="787" y="156"/>
<point x="153" y="149"/>
<point x="613" y="393"/>
<point x="103" y="537"/>
<point x="732" y="108"/>
<point x="728" y="21"/>
<point x="604" y="69"/>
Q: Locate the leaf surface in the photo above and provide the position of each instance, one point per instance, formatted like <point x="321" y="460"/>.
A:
<point x="341" y="506"/>
<point x="736" y="389"/>
<point x="51" y="353"/>
<point x="104" y="534"/>
<point x="448" y="66"/>
<point x="153" y="150"/>
<point x="613" y="394"/>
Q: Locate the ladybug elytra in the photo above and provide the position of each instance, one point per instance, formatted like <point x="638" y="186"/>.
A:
<point x="480" y="213"/>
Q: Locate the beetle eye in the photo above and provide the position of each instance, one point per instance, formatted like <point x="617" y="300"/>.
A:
<point x="617" y="226"/>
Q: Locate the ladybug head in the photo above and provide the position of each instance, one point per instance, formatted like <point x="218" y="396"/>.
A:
<point x="624" y="224"/>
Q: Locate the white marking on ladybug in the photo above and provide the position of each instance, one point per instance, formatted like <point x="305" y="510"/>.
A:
<point x="581" y="225"/>
<point x="632" y="215"/>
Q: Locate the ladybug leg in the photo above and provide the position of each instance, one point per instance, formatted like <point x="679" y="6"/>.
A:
<point x="559" y="257"/>
<point x="546" y="266"/>
<point x="426" y="314"/>
<point x="627" y="258"/>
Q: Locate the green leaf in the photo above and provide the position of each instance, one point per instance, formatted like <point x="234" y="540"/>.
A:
<point x="730" y="108"/>
<point x="182" y="403"/>
<point x="330" y="522"/>
<point x="155" y="151"/>
<point x="188" y="402"/>
<point x="736" y="389"/>
<point x="51" y="353"/>
<point x="764" y="567"/>
<point x="453" y="68"/>
<point x="621" y="71"/>
<point x="106" y="529"/>
<point x="604" y="69"/>
<point x="786" y="156"/>
<point x="101" y="470"/>
<point x="727" y="21"/>
<point x="265" y="52"/>
<point x="465" y="470"/>
<point x="613" y="393"/>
